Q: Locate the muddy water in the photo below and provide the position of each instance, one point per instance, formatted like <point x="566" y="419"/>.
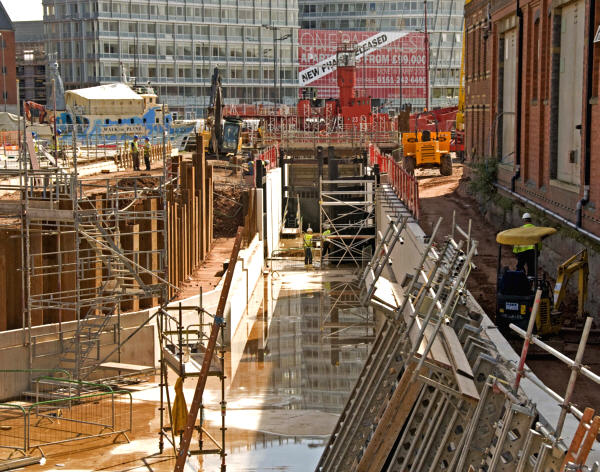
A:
<point x="307" y="342"/>
<point x="306" y="348"/>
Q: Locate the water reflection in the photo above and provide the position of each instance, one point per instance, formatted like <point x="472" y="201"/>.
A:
<point x="313" y="345"/>
<point x="267" y="452"/>
<point x="307" y="345"/>
<point x="307" y="342"/>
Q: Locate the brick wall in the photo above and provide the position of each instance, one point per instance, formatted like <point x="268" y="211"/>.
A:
<point x="478" y="97"/>
<point x="540" y="67"/>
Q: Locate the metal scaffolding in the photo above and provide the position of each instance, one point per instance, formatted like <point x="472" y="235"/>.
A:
<point x="347" y="209"/>
<point x="435" y="394"/>
<point x="90" y="249"/>
<point x="183" y="334"/>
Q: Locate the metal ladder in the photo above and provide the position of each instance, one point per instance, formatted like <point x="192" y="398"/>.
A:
<point x="186" y="438"/>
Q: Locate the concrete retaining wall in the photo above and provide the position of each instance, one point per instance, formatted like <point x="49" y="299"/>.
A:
<point x="45" y="349"/>
<point x="273" y="210"/>
<point x="142" y="348"/>
<point x="248" y="272"/>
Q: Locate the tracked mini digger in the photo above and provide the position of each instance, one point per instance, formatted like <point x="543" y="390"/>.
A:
<point x="516" y="290"/>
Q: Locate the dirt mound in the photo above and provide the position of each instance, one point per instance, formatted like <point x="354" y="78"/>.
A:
<point x="440" y="196"/>
<point x="229" y="209"/>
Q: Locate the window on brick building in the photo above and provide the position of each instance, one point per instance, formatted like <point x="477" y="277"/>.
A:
<point x="570" y="92"/>
<point x="509" y="76"/>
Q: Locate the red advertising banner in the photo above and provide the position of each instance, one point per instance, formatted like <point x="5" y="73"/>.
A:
<point x="388" y="65"/>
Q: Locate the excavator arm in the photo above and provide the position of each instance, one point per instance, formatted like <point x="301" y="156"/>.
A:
<point x="577" y="263"/>
<point x="215" y="113"/>
<point x="29" y="105"/>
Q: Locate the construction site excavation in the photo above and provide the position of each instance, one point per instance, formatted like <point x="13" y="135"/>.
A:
<point x="318" y="288"/>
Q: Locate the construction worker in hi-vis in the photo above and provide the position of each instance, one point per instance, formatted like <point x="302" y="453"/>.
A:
<point x="135" y="153"/>
<point x="526" y="254"/>
<point x="307" y="243"/>
<point x="325" y="244"/>
<point x="147" y="152"/>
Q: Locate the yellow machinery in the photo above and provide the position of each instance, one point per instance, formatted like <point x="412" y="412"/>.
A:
<point x="516" y="291"/>
<point x="577" y="263"/>
<point x="224" y="135"/>
<point x="427" y="149"/>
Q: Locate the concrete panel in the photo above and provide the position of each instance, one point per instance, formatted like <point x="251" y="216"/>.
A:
<point x="273" y="210"/>
<point x="404" y="260"/>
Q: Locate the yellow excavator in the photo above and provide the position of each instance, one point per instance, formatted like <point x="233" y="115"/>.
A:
<point x="222" y="136"/>
<point x="577" y="263"/>
<point x="515" y="290"/>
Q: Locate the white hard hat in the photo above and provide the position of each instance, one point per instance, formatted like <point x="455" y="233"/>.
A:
<point x="526" y="216"/>
<point x="309" y="230"/>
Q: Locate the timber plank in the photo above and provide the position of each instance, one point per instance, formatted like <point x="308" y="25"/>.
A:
<point x="391" y="423"/>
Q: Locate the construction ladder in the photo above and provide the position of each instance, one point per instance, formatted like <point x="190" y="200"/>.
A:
<point x="206" y="362"/>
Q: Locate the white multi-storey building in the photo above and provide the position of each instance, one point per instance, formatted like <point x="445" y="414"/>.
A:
<point x="175" y="45"/>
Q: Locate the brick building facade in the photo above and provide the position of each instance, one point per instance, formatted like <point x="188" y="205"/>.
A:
<point x="8" y="66"/>
<point x="478" y="78"/>
<point x="532" y="101"/>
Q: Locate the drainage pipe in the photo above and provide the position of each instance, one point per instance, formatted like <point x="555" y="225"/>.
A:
<point x="588" y="113"/>
<point x="556" y="216"/>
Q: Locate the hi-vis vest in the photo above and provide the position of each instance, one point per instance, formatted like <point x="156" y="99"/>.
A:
<point x="325" y="234"/>
<point x="518" y="249"/>
<point x="308" y="239"/>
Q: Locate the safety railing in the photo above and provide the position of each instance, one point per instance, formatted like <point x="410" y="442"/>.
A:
<point x="270" y="154"/>
<point x="405" y="185"/>
<point x="124" y="155"/>
<point x="71" y="412"/>
<point x="353" y="137"/>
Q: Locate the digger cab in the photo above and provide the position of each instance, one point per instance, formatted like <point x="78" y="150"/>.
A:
<point x="515" y="290"/>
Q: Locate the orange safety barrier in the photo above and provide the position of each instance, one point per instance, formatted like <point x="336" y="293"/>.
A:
<point x="9" y="138"/>
<point x="405" y="185"/>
